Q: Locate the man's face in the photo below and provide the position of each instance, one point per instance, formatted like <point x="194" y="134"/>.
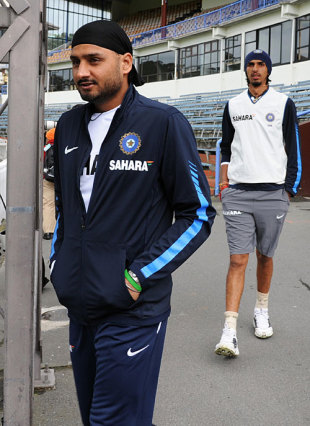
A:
<point x="257" y="73"/>
<point x="97" y="72"/>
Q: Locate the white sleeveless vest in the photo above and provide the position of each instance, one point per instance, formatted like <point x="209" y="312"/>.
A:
<point x="257" y="149"/>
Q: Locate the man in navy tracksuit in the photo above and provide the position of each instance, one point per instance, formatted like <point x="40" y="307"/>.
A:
<point x="132" y="205"/>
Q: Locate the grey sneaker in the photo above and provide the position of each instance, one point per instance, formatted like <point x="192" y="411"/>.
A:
<point x="228" y="345"/>
<point x="261" y="323"/>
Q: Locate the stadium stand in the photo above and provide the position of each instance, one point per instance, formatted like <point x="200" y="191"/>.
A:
<point x="150" y="19"/>
<point x="61" y="54"/>
<point x="3" y="125"/>
<point x="204" y="110"/>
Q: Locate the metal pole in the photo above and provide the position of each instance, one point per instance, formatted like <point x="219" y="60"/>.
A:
<point x="164" y="4"/>
<point x="293" y="43"/>
<point x="21" y="213"/>
<point x="176" y="64"/>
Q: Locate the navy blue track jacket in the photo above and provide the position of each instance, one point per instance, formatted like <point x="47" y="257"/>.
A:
<point x="148" y="172"/>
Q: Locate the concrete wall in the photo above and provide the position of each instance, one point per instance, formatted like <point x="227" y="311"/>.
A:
<point x="70" y="96"/>
<point x="3" y="149"/>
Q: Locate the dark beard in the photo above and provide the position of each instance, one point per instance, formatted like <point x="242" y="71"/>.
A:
<point x="110" y="90"/>
<point x="256" y="83"/>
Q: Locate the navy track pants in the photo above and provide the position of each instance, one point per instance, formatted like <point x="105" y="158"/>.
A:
<point x="116" y="371"/>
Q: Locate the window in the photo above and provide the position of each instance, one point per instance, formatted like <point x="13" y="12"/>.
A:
<point x="61" y="80"/>
<point x="157" y="67"/>
<point x="275" y="40"/>
<point x="275" y="49"/>
<point x="250" y="42"/>
<point x="263" y="39"/>
<point x="232" y="53"/>
<point x="200" y="59"/>
<point x="286" y="42"/>
<point x="302" y="38"/>
<point x="64" y="17"/>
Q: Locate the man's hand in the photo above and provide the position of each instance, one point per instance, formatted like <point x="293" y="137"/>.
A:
<point x="224" y="181"/>
<point x="132" y="291"/>
<point x="223" y="185"/>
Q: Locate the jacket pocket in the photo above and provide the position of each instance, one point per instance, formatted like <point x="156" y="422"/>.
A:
<point x="105" y="289"/>
<point x="65" y="275"/>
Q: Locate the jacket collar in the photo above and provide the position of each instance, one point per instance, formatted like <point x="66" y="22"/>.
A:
<point x="129" y="97"/>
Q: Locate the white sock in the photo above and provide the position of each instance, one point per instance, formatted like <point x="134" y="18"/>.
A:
<point x="231" y="319"/>
<point x="261" y="300"/>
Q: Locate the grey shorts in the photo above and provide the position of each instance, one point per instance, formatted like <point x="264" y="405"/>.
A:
<point x="254" y="219"/>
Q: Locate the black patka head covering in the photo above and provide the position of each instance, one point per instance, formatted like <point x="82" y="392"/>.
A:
<point x="110" y="35"/>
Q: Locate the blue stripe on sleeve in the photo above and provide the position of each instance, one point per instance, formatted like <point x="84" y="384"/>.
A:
<point x="54" y="238"/>
<point x="173" y="250"/>
<point x="186" y="237"/>
<point x="298" y="177"/>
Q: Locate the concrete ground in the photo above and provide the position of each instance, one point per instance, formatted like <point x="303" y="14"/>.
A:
<point x="269" y="383"/>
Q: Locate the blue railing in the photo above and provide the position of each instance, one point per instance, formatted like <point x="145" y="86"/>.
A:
<point x="53" y="52"/>
<point x="301" y="113"/>
<point x="207" y="20"/>
<point x="218" y="157"/>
